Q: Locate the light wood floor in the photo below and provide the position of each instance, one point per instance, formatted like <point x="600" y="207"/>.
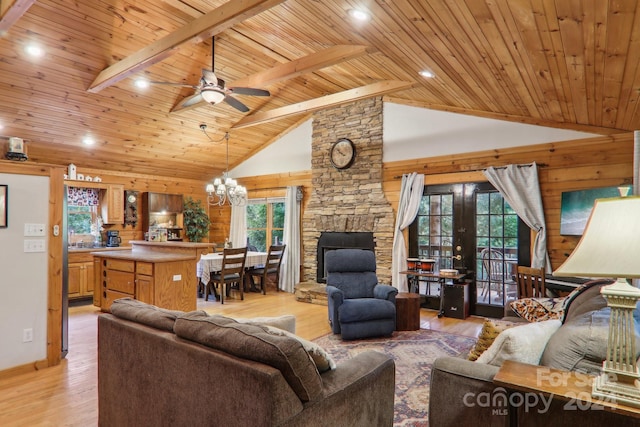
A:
<point x="66" y="395"/>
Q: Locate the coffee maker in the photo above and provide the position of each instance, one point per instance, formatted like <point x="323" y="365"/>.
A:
<point x="113" y="239"/>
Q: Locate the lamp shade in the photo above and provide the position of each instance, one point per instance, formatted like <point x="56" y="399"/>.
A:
<point x="610" y="245"/>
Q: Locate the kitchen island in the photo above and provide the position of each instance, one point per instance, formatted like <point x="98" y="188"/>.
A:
<point x="158" y="273"/>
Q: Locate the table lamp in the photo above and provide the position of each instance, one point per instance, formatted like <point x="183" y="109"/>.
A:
<point x="610" y="247"/>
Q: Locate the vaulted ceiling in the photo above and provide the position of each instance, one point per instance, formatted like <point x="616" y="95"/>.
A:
<point x="569" y="64"/>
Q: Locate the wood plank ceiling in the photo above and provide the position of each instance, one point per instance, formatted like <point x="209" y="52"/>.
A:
<point x="569" y="64"/>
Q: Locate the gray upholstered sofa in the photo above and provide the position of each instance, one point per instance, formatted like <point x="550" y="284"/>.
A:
<point x="458" y="386"/>
<point x="163" y="368"/>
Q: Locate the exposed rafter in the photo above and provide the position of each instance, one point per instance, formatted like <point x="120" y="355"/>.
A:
<point x="11" y="11"/>
<point x="374" y="89"/>
<point x="207" y="25"/>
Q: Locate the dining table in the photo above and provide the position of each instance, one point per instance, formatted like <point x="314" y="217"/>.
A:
<point x="212" y="263"/>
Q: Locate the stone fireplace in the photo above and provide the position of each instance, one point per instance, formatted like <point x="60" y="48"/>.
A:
<point x="348" y="200"/>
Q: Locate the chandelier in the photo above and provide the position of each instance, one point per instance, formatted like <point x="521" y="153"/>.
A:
<point x="226" y="189"/>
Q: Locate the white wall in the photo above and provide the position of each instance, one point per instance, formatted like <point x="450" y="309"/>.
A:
<point x="23" y="276"/>
<point x="410" y="133"/>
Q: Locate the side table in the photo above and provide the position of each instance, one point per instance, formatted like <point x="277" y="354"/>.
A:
<point x="528" y="384"/>
<point x="407" y="311"/>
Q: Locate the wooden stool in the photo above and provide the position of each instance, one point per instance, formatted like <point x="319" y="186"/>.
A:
<point x="407" y="311"/>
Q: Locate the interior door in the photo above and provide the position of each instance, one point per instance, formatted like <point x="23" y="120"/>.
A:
<point x="471" y="228"/>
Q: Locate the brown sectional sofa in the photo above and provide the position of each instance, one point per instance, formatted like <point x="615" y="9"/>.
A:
<point x="164" y="368"/>
<point x="578" y="345"/>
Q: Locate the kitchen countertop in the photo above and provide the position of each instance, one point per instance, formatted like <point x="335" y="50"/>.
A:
<point x="174" y="244"/>
<point x="99" y="249"/>
<point x="145" y="256"/>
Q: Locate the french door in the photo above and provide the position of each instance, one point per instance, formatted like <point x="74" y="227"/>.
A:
<point x="471" y="228"/>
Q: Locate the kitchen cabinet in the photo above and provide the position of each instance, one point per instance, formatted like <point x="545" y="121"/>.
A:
<point x="80" y="273"/>
<point x="144" y="282"/>
<point x="112" y="204"/>
<point x="117" y="281"/>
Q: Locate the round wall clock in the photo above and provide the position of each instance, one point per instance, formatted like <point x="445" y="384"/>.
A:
<point x="342" y="153"/>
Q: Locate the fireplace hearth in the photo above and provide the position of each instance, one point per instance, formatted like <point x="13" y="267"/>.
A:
<point x="340" y="240"/>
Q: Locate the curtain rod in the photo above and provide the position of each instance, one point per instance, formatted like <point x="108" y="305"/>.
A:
<point x="542" y="165"/>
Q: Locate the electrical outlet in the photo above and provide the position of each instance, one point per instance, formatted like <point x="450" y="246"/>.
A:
<point x="27" y="335"/>
<point x="177" y="277"/>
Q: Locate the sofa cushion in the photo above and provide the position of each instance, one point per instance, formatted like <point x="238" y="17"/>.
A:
<point x="491" y="328"/>
<point x="523" y="343"/>
<point x="365" y="309"/>
<point x="254" y="342"/>
<point x="538" y="309"/>
<point x="147" y="314"/>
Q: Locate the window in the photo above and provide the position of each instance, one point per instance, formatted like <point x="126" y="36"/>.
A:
<point x="265" y="223"/>
<point x="83" y="221"/>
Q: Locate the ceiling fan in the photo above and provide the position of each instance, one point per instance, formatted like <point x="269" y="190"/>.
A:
<point x="211" y="89"/>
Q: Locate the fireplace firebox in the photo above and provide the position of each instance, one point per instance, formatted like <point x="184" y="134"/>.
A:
<point x="330" y="240"/>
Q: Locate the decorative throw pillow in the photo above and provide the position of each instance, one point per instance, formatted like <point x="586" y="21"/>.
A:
<point x="538" y="309"/>
<point x="286" y="322"/>
<point x="491" y="328"/>
<point x="523" y="343"/>
<point x="320" y="357"/>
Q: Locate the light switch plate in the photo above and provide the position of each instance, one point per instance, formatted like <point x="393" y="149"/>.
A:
<point x="34" y="230"/>
<point x="34" y="245"/>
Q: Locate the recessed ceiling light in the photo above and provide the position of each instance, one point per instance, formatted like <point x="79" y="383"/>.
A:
<point x="88" y="140"/>
<point x="359" y="15"/>
<point x="141" y="83"/>
<point x="34" y="50"/>
<point x="427" y="74"/>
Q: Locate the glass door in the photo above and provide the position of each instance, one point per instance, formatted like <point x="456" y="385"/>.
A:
<point x="470" y="228"/>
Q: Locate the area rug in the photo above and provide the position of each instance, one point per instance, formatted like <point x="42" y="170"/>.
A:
<point x="413" y="353"/>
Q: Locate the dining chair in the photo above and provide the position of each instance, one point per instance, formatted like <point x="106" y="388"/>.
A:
<point x="271" y="268"/>
<point x="231" y="272"/>
<point x="496" y="274"/>
<point x="530" y="282"/>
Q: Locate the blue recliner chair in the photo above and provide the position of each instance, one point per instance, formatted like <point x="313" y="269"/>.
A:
<point x="359" y="307"/>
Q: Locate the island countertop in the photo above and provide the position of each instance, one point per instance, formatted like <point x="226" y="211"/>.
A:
<point x="172" y="244"/>
<point x="145" y="256"/>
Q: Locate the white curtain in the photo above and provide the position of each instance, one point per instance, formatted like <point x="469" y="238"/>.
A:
<point x="519" y="186"/>
<point x="238" y="230"/>
<point x="290" y="269"/>
<point x="408" y="205"/>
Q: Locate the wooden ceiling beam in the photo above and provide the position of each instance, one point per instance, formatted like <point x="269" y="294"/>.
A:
<point x="289" y="70"/>
<point x="374" y="89"/>
<point x="11" y="11"/>
<point x="209" y="24"/>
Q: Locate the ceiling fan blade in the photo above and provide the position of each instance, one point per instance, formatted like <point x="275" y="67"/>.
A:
<point x="191" y="100"/>
<point x="209" y="77"/>
<point x="236" y="104"/>
<point x="250" y="91"/>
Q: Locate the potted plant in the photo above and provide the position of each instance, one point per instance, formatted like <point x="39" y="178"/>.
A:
<point x="196" y="221"/>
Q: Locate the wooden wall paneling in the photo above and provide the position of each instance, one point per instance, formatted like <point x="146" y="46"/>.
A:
<point x="573" y="165"/>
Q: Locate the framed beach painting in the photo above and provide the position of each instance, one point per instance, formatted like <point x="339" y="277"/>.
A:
<point x="4" y="205"/>
<point x="577" y="205"/>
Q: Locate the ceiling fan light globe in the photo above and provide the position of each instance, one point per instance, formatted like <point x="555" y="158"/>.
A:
<point x="212" y="95"/>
